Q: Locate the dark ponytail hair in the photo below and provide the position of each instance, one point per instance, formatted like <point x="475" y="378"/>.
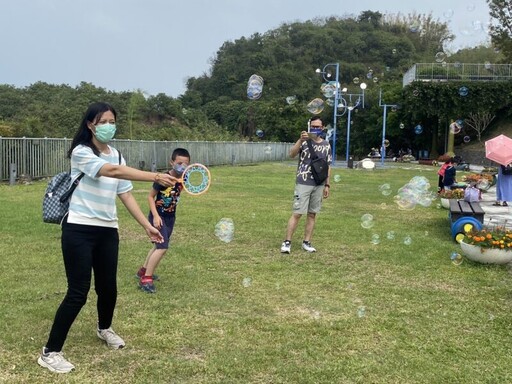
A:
<point x="84" y="135"/>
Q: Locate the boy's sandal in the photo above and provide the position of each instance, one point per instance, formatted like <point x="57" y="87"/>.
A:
<point x="504" y="204"/>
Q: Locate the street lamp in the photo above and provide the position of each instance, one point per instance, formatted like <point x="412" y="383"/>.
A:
<point x="384" y="119"/>
<point x="342" y="102"/>
<point x="349" y="104"/>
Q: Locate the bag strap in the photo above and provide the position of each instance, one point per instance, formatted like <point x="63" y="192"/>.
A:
<point x="66" y="195"/>
<point x="312" y="152"/>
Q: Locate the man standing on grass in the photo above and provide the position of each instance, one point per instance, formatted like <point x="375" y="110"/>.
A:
<point x="307" y="197"/>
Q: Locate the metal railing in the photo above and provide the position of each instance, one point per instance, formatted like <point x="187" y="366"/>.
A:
<point x="43" y="157"/>
<point x="457" y="71"/>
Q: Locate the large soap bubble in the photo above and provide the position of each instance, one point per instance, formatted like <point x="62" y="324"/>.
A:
<point x="254" y="87"/>
<point x="416" y="191"/>
<point x="225" y="230"/>
<point x="315" y="106"/>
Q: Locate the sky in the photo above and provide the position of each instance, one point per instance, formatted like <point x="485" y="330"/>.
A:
<point x="155" y="45"/>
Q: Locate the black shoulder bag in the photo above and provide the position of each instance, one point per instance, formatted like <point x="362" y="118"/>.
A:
<point x="319" y="166"/>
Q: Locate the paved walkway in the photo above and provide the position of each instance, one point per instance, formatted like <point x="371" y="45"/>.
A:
<point x="495" y="215"/>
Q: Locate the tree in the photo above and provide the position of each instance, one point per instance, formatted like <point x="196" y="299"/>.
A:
<point x="501" y="30"/>
<point x="479" y="121"/>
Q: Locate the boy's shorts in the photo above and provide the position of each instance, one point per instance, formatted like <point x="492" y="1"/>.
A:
<point x="166" y="230"/>
<point x="307" y="198"/>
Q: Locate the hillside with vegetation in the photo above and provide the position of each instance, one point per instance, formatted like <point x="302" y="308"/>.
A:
<point x="373" y="48"/>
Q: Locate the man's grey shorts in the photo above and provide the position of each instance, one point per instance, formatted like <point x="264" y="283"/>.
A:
<point x="307" y="198"/>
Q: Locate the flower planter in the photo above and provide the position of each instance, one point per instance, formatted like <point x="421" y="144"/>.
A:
<point x="486" y="255"/>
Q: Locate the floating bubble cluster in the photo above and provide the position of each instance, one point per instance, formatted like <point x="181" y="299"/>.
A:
<point x="315" y="106"/>
<point x="225" y="230"/>
<point x="416" y="191"/>
<point x="254" y="87"/>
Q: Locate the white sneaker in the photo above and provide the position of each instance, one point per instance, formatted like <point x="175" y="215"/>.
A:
<point x="306" y="245"/>
<point x="113" y="340"/>
<point x="286" y="246"/>
<point x="55" y="362"/>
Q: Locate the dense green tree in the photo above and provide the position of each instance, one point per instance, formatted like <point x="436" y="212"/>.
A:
<point x="500" y="29"/>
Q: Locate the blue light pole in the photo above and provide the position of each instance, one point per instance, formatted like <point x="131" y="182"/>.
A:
<point x="384" y="119"/>
<point x="342" y="103"/>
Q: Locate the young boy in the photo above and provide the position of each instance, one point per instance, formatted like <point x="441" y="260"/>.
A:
<point x="162" y="205"/>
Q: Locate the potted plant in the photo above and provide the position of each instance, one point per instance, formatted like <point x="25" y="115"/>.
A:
<point x="446" y="194"/>
<point x="490" y="246"/>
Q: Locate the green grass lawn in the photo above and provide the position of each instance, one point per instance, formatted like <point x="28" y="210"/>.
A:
<point x="353" y="312"/>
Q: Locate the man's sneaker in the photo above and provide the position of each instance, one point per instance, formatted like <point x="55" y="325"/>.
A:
<point x="142" y="272"/>
<point x="286" y="246"/>
<point x="112" y="338"/>
<point x="147" y="285"/>
<point x="55" y="362"/>
<point x="306" y="245"/>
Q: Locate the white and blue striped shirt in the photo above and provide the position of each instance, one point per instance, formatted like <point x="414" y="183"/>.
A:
<point x="94" y="200"/>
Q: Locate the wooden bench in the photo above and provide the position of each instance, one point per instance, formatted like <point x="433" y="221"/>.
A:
<point x="461" y="208"/>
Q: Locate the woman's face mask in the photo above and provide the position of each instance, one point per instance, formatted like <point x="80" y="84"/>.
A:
<point x="105" y="132"/>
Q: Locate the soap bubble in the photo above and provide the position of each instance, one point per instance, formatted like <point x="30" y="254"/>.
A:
<point x="440" y="57"/>
<point x="385" y="189"/>
<point x="407" y="240"/>
<point x="259" y="133"/>
<point x="416" y="93"/>
<point x="291" y="100"/>
<point x="267" y="150"/>
<point x="375" y="239"/>
<point x="418" y="129"/>
<point x="463" y="91"/>
<point x="356" y="80"/>
<point x="225" y="230"/>
<point x="315" y="106"/>
<point x="390" y="235"/>
<point x="337" y="178"/>
<point x="455" y="128"/>
<point x="402" y="125"/>
<point x="456" y="258"/>
<point x="254" y="87"/>
<point x="415" y="26"/>
<point x="329" y="89"/>
<point x="247" y="282"/>
<point x="416" y="191"/>
<point x="448" y="13"/>
<point x="367" y="221"/>
<point x="361" y="312"/>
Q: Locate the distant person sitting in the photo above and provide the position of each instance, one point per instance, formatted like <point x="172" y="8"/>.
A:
<point x="449" y="178"/>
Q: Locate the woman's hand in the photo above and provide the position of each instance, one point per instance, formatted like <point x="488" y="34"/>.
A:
<point x="154" y="234"/>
